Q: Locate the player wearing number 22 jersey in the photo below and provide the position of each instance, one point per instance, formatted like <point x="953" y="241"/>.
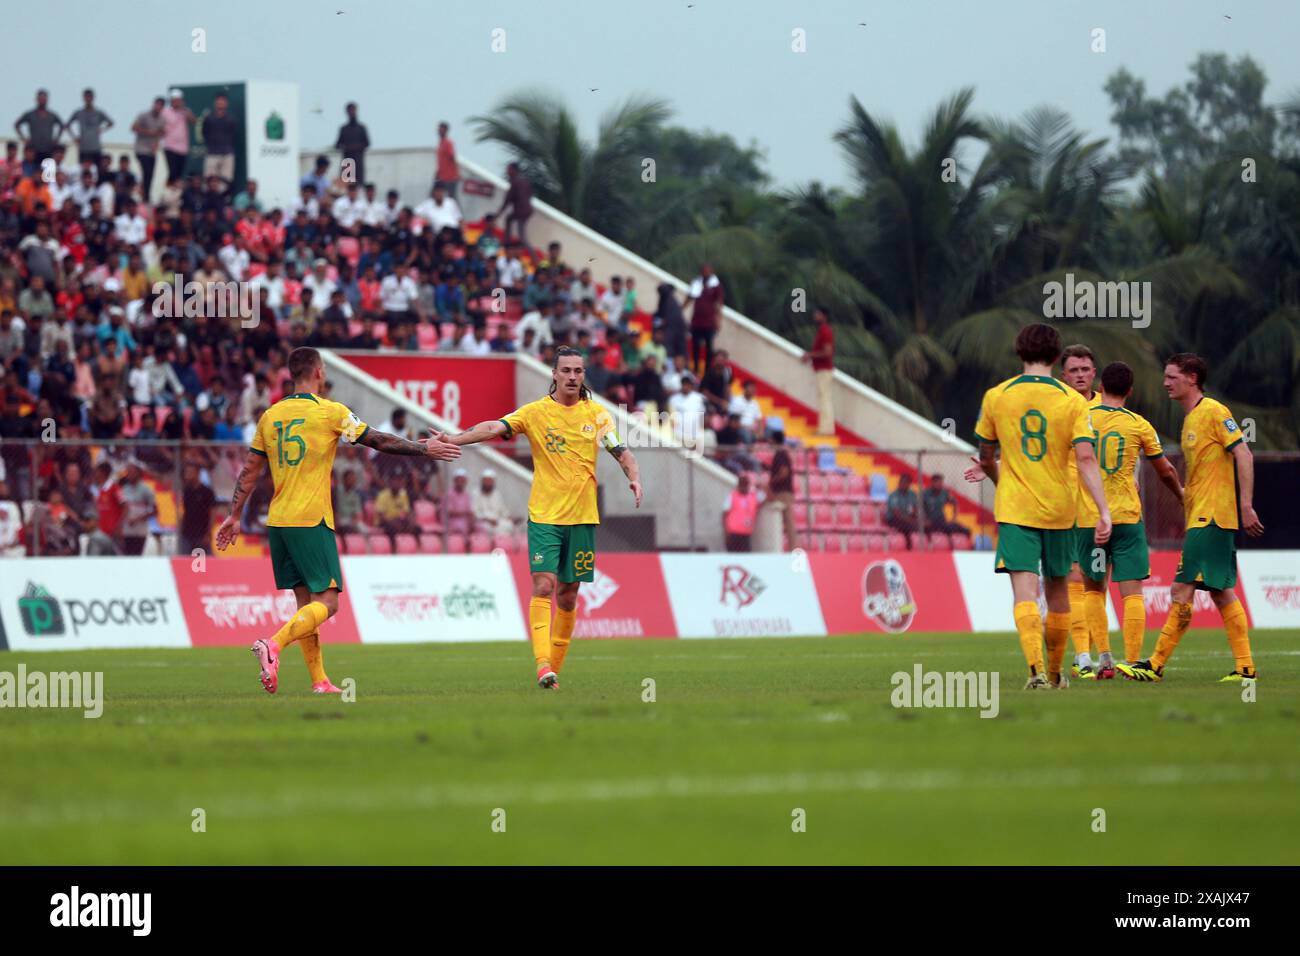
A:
<point x="565" y="430"/>
<point x="297" y="438"/>
<point x="1038" y="423"/>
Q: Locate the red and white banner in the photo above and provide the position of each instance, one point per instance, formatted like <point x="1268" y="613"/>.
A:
<point x="1155" y="594"/>
<point x="464" y="390"/>
<point x="889" y="593"/>
<point x="235" y="601"/>
<point x="628" y="597"/>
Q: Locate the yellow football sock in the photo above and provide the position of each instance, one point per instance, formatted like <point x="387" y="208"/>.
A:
<point x="309" y="617"/>
<point x="311" y="654"/>
<point x="1180" y="618"/>
<point x="561" y="634"/>
<point x="1135" y="626"/>
<point x="1078" y="618"/>
<point x="1056" y="633"/>
<point x="1029" y="624"/>
<point x="1094" y="606"/>
<point x="539" y="617"/>
<point x="1234" y="619"/>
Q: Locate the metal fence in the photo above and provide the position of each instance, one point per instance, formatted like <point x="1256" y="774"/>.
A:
<point x="751" y="497"/>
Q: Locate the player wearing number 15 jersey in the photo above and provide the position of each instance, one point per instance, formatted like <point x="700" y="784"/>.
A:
<point x="565" y="430"/>
<point x="1039" y="423"/>
<point x="297" y="438"/>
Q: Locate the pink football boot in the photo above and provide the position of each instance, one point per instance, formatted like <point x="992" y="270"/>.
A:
<point x="268" y="655"/>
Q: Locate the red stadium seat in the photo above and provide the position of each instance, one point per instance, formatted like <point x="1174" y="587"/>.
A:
<point x="857" y="487"/>
<point x="456" y="544"/>
<point x="480" y="543"/>
<point x="939" y="541"/>
<point x="856" y="542"/>
<point x="800" y="515"/>
<point x="379" y="544"/>
<point x="960" y="542"/>
<point x="846" y="516"/>
<point x="426" y="515"/>
<point x="918" y="541"/>
<point x="504" y="542"/>
<point x="381" y="330"/>
<point x="354" y="543"/>
<point x="406" y="544"/>
<point x="426" y="334"/>
<point x="817" y="486"/>
<point x="349" y="249"/>
<point x="869" y="515"/>
<point x="823" y="516"/>
<point x="836" y="487"/>
<point x="431" y="543"/>
<point x="355" y="327"/>
<point x="878" y="542"/>
<point x="897" y="541"/>
<point x="834" y="544"/>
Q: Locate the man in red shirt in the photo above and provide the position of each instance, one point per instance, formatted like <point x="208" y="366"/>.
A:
<point x="448" y="172"/>
<point x="822" y="358"/>
<point x="110" y="508"/>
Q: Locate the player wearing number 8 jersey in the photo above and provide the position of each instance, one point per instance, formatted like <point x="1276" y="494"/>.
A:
<point x="1039" y="423"/>
<point x="565" y="430"/>
<point x="297" y="438"/>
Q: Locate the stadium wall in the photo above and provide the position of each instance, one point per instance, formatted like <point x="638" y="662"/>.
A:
<point x="78" y="603"/>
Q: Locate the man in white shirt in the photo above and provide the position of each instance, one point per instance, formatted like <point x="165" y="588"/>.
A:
<point x="397" y="294"/>
<point x="476" y="342"/>
<point x="687" y="408"/>
<point x="83" y="190"/>
<point x="60" y="191"/>
<point x="582" y="288"/>
<point x="539" y="322"/>
<point x="321" y="285"/>
<point x="491" y="514"/>
<point x="439" y="211"/>
<point x="611" y="303"/>
<point x="305" y="202"/>
<point x="348" y="210"/>
<point x="235" y="258"/>
<point x="510" y="271"/>
<point x="131" y="227"/>
<point x="272" y="280"/>
<point x="11" y="525"/>
<point x="375" y="211"/>
<point x="392" y="209"/>
<point x="747" y="407"/>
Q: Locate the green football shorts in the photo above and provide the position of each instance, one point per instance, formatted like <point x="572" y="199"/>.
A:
<point x="1045" y="551"/>
<point x="1125" y="555"/>
<point x="566" y="550"/>
<point x="308" y="556"/>
<point x="1209" y="558"/>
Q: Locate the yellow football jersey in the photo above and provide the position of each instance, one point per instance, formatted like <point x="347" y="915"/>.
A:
<point x="1121" y="436"/>
<point x="299" y="435"/>
<point x="1037" y="421"/>
<point x="1209" y="435"/>
<point x="565" y="441"/>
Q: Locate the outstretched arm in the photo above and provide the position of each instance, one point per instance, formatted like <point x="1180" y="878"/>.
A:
<point x="228" y="533"/>
<point x="435" y="446"/>
<point x="483" y="431"/>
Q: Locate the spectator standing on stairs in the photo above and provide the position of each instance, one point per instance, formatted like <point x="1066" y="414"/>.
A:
<point x="822" y="357"/>
<point x="706" y="297"/>
<point x="781" y="488"/>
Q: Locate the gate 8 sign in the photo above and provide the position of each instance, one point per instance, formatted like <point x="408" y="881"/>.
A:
<point x="462" y="390"/>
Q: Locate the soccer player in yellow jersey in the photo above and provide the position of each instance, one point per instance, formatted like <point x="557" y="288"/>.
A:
<point x="1122" y="436"/>
<point x="1039" y="423"/>
<point x="1079" y="371"/>
<point x="566" y="430"/>
<point x="1212" y="444"/>
<point x="297" y="438"/>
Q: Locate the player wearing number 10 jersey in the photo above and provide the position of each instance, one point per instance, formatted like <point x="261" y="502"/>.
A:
<point x="1039" y="423"/>
<point x="297" y="438"/>
<point x="565" y="430"/>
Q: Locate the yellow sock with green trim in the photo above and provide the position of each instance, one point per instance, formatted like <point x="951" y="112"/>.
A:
<point x="539" y="620"/>
<point x="561" y="634"/>
<point x="309" y="617"/>
<point x="1234" y="620"/>
<point x="1056" y="634"/>
<point x="1078" y="618"/>
<point x="1029" y="625"/>
<point x="1180" y="618"/>
<point x="1094" y="606"/>
<point x="311" y="654"/>
<point x="1135" y="626"/>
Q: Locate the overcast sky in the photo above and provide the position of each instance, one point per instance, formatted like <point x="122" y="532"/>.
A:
<point x="725" y="65"/>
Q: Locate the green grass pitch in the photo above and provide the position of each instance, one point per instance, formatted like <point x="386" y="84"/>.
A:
<point x="741" y="734"/>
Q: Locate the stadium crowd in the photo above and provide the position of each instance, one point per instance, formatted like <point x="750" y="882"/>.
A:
<point x="170" y="316"/>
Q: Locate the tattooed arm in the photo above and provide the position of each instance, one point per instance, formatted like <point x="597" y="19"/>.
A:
<point x="436" y="446"/>
<point x="627" y="461"/>
<point x="228" y="533"/>
<point x="483" y="431"/>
